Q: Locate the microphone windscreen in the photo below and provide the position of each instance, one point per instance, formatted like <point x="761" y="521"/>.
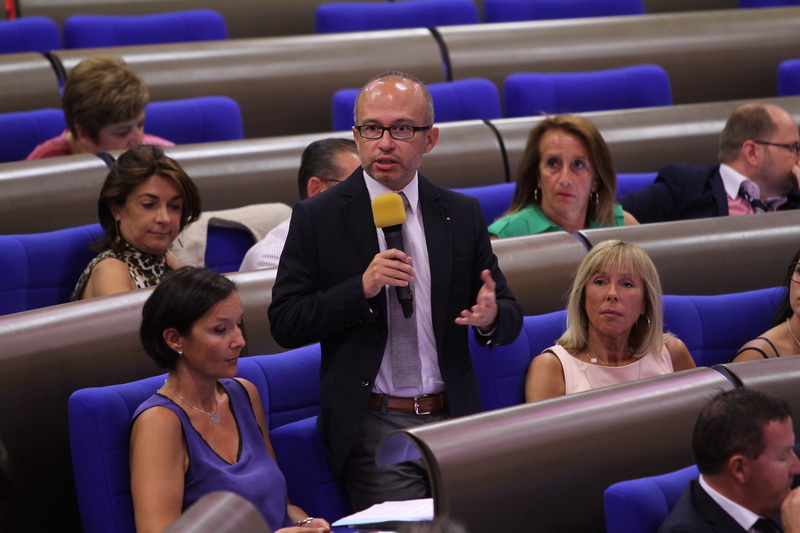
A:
<point x="388" y="210"/>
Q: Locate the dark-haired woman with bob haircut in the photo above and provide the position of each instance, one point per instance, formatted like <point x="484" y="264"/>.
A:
<point x="204" y="430"/>
<point x="145" y="202"/>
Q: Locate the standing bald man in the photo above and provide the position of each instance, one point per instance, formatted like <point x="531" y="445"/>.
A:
<point x="336" y="284"/>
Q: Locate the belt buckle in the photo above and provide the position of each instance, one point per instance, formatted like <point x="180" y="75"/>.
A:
<point x="416" y="405"/>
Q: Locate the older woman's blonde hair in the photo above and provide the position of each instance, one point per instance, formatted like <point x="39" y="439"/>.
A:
<point x="647" y="333"/>
<point x="528" y="176"/>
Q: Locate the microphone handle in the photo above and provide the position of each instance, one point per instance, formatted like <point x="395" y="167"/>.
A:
<point x="394" y="239"/>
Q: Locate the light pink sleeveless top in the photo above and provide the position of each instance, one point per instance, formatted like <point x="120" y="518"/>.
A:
<point x="580" y="376"/>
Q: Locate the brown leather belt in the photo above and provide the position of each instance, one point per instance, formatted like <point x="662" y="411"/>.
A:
<point x="420" y="405"/>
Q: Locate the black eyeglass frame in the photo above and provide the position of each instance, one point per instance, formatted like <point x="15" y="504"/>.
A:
<point x="414" y="130"/>
<point x="791" y="147"/>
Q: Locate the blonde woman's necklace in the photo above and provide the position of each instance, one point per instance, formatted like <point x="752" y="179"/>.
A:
<point x="789" y="327"/>
<point x="213" y="415"/>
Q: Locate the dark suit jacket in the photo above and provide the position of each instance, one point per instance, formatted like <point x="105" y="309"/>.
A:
<point x="318" y="296"/>
<point x="696" y="512"/>
<point x="682" y="191"/>
<point x="679" y="192"/>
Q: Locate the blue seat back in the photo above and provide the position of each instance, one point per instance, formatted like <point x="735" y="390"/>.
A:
<point x="467" y="99"/>
<point x="226" y="247"/>
<point x="633" y="182"/>
<point x="364" y="16"/>
<point x="41" y="269"/>
<point x="530" y="93"/>
<point x="195" y="120"/>
<point x="513" y="10"/>
<point x="789" y="77"/>
<point x="22" y="131"/>
<point x="94" y="31"/>
<point x="494" y="199"/>
<point x="640" y="505"/>
<point x="29" y="34"/>
<point x="99" y="431"/>
<point x="715" y="327"/>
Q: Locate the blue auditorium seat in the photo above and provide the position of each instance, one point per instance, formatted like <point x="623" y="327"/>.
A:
<point x="29" y="34"/>
<point x="494" y="199"/>
<point x="789" y="77"/>
<point x="364" y="16"/>
<point x="530" y="93"/>
<point x="640" y="505"/>
<point x="467" y="99"/>
<point x="94" y="31"/>
<point x="22" y="131"/>
<point x="513" y="10"/>
<point x="195" y="120"/>
<point x="42" y="269"/>
<point x="633" y="182"/>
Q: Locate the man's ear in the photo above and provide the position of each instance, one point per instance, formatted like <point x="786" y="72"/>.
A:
<point x="315" y="186"/>
<point x="750" y="152"/>
<point x="738" y="467"/>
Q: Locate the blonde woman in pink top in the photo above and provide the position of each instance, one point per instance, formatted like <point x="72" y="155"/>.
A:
<point x="614" y="328"/>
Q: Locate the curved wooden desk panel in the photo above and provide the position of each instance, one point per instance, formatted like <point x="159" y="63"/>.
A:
<point x="774" y="376"/>
<point x="544" y="457"/>
<point x="27" y="82"/>
<point x="709" y="55"/>
<point x="283" y="85"/>
<point x="715" y="255"/>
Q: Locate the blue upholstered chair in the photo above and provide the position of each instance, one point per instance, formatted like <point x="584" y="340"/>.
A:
<point x="94" y="31"/>
<point x="41" y="269"/>
<point x="512" y="10"/>
<point x="29" y="34"/>
<point x="364" y="16"/>
<point x="22" y="131"/>
<point x="633" y="182"/>
<point x="195" y="120"/>
<point x="789" y="77"/>
<point x="467" y="99"/>
<point x="640" y="505"/>
<point x="530" y="93"/>
<point x="494" y="199"/>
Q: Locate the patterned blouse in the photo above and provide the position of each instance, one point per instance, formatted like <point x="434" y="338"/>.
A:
<point x="146" y="270"/>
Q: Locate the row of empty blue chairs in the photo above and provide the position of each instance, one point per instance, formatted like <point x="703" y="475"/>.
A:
<point x="186" y="121"/>
<point x="41" y="269"/>
<point x="369" y="16"/>
<point x="533" y="93"/>
<point x="42" y="34"/>
<point x="713" y="327"/>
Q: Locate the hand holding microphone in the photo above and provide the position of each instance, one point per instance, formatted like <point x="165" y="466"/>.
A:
<point x="389" y="213"/>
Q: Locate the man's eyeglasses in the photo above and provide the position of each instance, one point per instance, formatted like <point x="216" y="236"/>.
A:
<point x="794" y="147"/>
<point x="326" y="180"/>
<point x="401" y="132"/>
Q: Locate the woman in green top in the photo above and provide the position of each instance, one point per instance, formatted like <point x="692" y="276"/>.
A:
<point x="566" y="181"/>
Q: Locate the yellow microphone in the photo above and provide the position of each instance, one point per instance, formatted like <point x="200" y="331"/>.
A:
<point x="389" y="213"/>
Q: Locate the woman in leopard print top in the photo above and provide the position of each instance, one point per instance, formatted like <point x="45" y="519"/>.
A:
<point x="145" y="202"/>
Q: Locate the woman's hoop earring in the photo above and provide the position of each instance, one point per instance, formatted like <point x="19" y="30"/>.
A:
<point x="646" y="318"/>
<point x="594" y="198"/>
<point x="118" y="232"/>
<point x="537" y="195"/>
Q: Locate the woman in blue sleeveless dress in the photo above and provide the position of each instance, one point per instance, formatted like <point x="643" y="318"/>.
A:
<point x="204" y="430"/>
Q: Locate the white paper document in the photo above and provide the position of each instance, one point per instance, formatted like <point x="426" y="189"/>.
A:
<point x="387" y="513"/>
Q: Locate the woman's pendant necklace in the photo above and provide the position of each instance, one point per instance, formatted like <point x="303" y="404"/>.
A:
<point x="213" y="415"/>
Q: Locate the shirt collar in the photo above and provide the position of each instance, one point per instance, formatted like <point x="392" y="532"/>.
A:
<point x="731" y="180"/>
<point x="411" y="190"/>
<point x="744" y="517"/>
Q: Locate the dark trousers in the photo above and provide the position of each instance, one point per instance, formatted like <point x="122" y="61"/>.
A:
<point x="367" y="483"/>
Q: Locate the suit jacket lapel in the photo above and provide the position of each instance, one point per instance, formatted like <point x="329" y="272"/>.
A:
<point x="718" y="191"/>
<point x="438" y="234"/>
<point x="712" y="513"/>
